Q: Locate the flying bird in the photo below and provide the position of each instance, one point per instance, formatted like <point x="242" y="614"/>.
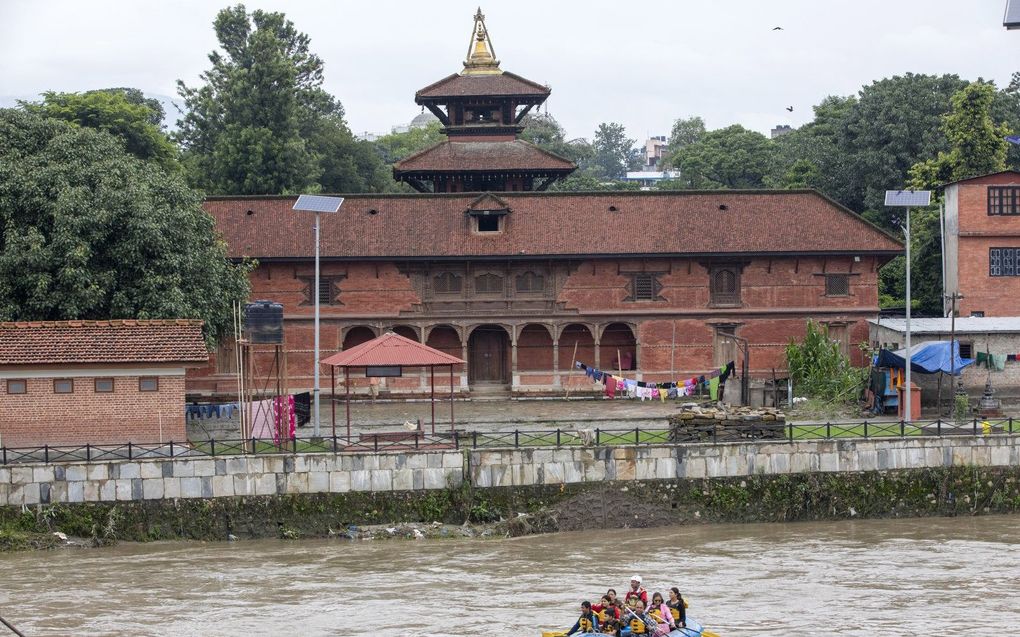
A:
<point x="777" y="28"/>
<point x="789" y="108"/>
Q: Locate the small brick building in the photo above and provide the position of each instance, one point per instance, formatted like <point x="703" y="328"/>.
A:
<point x="982" y="248"/>
<point x="484" y="263"/>
<point x="77" y="382"/>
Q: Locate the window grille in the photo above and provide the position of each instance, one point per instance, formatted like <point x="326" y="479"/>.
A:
<point x="488" y="284"/>
<point x="724" y="286"/>
<point x="530" y="282"/>
<point x="446" y="283"/>
<point x="966" y="349"/>
<point x="1004" y="262"/>
<point x="645" y="287"/>
<point x="837" y="285"/>
<point x="325" y="291"/>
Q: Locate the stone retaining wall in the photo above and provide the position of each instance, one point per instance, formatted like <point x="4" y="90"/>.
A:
<point x="270" y="475"/>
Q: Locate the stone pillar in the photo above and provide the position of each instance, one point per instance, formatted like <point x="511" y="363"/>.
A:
<point x="556" y="362"/>
<point x="464" y="355"/>
<point x="515" y="376"/>
<point x="598" y="354"/>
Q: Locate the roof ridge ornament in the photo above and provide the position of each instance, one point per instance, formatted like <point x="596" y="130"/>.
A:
<point x="481" y="56"/>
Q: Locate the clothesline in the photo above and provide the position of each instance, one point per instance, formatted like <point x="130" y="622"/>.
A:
<point x="661" y="391"/>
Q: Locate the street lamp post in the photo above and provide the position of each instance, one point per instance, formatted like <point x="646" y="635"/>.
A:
<point x="317" y="204"/>
<point x="907" y="199"/>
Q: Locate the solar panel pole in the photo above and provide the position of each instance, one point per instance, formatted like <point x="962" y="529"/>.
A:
<point x="317" y="204"/>
<point x="906" y="199"/>
<point x="315" y="426"/>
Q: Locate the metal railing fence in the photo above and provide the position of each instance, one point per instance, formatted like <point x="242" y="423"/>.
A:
<point x="517" y="438"/>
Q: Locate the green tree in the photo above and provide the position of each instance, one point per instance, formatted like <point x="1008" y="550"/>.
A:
<point x="977" y="147"/>
<point x="685" y="133"/>
<point x="125" y="113"/>
<point x="92" y="232"/>
<point x="396" y="146"/>
<point x="613" y="152"/>
<point x="893" y="124"/>
<point x="820" y="370"/>
<point x="731" y="157"/>
<point x="261" y="123"/>
<point x="803" y="173"/>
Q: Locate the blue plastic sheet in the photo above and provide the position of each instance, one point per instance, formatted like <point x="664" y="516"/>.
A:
<point x="926" y="358"/>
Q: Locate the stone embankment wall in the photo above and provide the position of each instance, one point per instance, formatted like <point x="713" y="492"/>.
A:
<point x="279" y="475"/>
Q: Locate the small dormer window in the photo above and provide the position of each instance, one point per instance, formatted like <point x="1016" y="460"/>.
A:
<point x="488" y="223"/>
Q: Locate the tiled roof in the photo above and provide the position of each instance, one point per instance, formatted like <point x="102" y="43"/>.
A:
<point x="553" y="224"/>
<point x="457" y="85"/>
<point x="389" y="350"/>
<point x="1003" y="173"/>
<point x="85" y="342"/>
<point x="483" y="156"/>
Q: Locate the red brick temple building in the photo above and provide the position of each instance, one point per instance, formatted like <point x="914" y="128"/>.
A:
<point x="485" y="264"/>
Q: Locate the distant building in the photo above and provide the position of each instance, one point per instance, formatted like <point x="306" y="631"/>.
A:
<point x="649" y="178"/>
<point x="654" y="148"/>
<point x="982" y="244"/>
<point x="780" y="130"/>
<point x="78" y="382"/>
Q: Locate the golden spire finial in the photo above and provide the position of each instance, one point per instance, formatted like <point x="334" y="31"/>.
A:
<point x="481" y="57"/>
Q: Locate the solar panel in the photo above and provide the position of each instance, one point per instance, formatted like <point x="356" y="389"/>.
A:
<point x="907" y="197"/>
<point x="318" y="203"/>
<point x="1012" y="18"/>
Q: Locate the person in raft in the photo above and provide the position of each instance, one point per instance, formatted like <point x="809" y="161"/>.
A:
<point x="604" y="607"/>
<point x="588" y="622"/>
<point x="636" y="590"/>
<point x="677" y="607"/>
<point x="637" y="620"/>
<point x="660" y="613"/>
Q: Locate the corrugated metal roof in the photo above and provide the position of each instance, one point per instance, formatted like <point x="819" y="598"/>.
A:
<point x="391" y="350"/>
<point x="941" y="325"/>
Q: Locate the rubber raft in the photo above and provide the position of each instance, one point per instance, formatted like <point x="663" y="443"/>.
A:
<point x="693" y="629"/>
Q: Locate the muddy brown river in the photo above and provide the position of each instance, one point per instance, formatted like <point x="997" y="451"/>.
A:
<point x="885" y="578"/>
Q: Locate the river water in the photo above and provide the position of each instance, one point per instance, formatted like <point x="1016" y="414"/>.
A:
<point x="944" y="576"/>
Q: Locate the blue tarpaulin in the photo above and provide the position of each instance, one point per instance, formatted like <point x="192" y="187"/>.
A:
<point x="926" y="358"/>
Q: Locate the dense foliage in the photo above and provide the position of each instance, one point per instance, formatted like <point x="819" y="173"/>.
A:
<point x="89" y="231"/>
<point x="820" y="370"/>
<point x="261" y="122"/>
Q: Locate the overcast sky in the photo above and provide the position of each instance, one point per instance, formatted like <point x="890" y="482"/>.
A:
<point x="642" y="64"/>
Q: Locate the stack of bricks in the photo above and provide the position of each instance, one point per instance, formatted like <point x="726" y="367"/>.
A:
<point x="711" y="422"/>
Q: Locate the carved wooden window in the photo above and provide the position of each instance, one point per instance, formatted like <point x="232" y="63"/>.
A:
<point x="329" y="289"/>
<point x="488" y="284"/>
<point x="724" y="285"/>
<point x="447" y="283"/>
<point x="644" y="286"/>
<point x="530" y="282"/>
<point x="837" y="285"/>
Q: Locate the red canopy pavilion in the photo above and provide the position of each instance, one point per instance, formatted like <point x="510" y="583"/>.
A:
<point x="384" y="354"/>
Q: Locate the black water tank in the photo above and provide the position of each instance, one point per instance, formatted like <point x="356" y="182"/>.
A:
<point x="263" y="322"/>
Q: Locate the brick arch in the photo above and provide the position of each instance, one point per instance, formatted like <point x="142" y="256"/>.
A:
<point x="534" y="347"/>
<point x="412" y="332"/>
<point x="471" y="328"/>
<point x="583" y="335"/>
<point x="355" y="335"/>
<point x="445" y="338"/>
<point x="619" y="336"/>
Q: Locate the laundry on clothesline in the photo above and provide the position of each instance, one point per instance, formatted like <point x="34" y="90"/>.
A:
<point x="615" y="384"/>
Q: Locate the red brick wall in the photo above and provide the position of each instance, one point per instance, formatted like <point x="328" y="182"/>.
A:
<point x="41" y="417"/>
<point x="777" y="297"/>
<point x="995" y="296"/>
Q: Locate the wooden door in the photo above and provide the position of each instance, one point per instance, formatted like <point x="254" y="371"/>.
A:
<point x="487" y="356"/>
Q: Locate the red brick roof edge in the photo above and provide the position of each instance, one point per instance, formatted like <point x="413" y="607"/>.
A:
<point x="391" y="349"/>
<point x="82" y="342"/>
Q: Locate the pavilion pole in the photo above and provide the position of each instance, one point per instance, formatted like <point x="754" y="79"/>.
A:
<point x="432" y="393"/>
<point x="451" y="397"/>
<point x="347" y="396"/>
<point x="332" y="398"/>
